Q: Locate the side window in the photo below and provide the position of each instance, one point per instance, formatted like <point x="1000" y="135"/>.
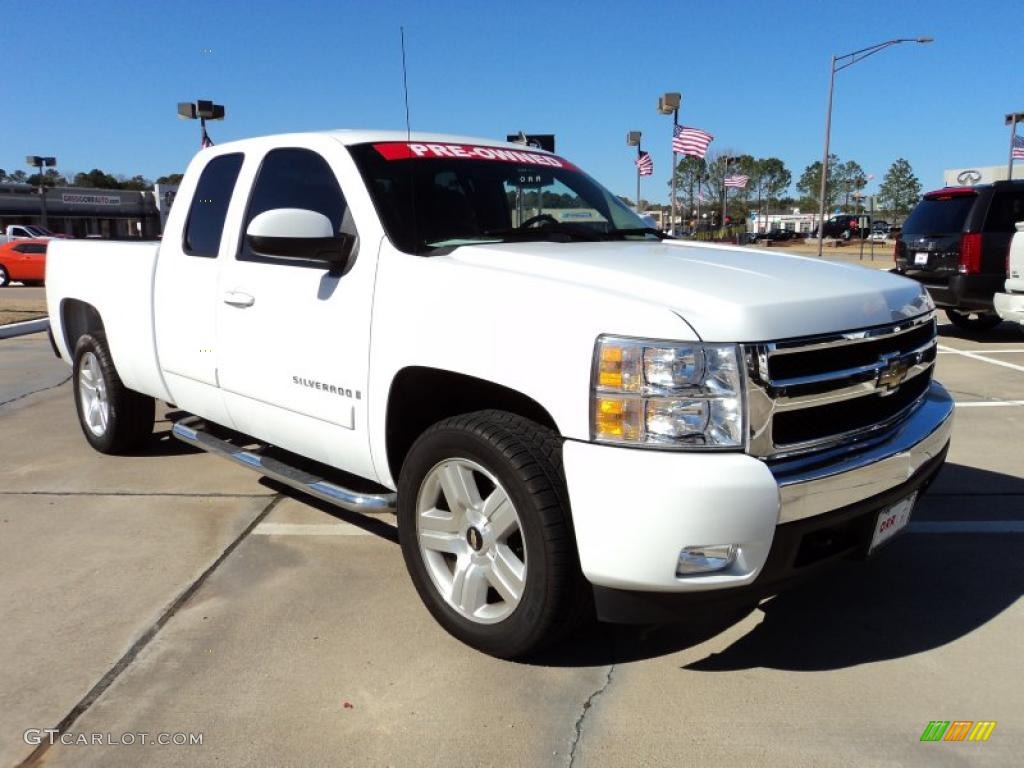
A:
<point x="210" y="205"/>
<point x="1006" y="210"/>
<point x="295" y="178"/>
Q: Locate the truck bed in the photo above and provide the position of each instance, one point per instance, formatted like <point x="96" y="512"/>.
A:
<point x="116" y="279"/>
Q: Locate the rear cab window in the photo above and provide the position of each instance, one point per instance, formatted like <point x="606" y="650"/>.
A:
<point x="1006" y="210"/>
<point x="205" y="224"/>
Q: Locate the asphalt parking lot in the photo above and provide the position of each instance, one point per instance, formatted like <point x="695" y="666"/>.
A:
<point x="174" y="593"/>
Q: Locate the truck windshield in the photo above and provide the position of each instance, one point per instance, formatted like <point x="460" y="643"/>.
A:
<point x="434" y="197"/>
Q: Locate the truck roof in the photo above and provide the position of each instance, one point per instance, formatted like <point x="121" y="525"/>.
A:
<point x="349" y="136"/>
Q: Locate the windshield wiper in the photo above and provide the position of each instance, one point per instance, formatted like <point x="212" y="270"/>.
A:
<point x="639" y="231"/>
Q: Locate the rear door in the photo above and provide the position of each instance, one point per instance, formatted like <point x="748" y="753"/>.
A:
<point x="930" y="240"/>
<point x="185" y="295"/>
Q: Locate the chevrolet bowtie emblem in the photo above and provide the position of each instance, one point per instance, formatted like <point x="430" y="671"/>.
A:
<point x="892" y="374"/>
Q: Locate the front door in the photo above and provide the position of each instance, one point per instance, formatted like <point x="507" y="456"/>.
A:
<point x="293" y="338"/>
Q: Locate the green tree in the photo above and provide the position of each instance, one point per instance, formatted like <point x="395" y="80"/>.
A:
<point x="899" y="190"/>
<point x="18" y="177"/>
<point x="769" y="179"/>
<point x="851" y="179"/>
<point x="809" y="185"/>
<point x="690" y="172"/>
<point x="97" y="179"/>
<point x="137" y="183"/>
<point x="171" y="178"/>
<point x="51" y="178"/>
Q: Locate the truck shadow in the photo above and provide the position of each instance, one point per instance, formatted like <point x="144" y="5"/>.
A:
<point x="1007" y="333"/>
<point x="919" y="593"/>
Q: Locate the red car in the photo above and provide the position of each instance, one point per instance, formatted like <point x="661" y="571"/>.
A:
<point x="24" y="261"/>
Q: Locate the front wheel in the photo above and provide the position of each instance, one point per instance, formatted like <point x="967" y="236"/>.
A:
<point x="114" y="419"/>
<point x="484" y="523"/>
<point x="981" y="321"/>
<point x="5" y="276"/>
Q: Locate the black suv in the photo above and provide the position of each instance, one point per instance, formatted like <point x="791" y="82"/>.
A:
<point x="847" y="226"/>
<point x="955" y="242"/>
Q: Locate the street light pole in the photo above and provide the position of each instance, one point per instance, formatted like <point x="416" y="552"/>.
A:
<point x="41" y="164"/>
<point x="844" y="61"/>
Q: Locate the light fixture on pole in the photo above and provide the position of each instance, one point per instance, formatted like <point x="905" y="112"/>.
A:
<point x="41" y="163"/>
<point x="203" y="111"/>
<point x="844" y="61"/>
<point x="633" y="140"/>
<point x="1011" y="120"/>
<point x="668" y="104"/>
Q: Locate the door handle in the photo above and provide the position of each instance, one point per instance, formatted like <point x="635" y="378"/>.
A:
<point x="238" y="299"/>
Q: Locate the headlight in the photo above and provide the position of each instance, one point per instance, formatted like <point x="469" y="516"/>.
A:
<point x="667" y="394"/>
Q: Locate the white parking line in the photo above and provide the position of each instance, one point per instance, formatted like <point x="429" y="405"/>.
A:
<point x="968" y="526"/>
<point x="989" y="403"/>
<point x="975" y="356"/>
<point x="948" y="351"/>
<point x="309" y="529"/>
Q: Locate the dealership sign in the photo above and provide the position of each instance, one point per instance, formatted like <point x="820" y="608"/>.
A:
<point x="79" y="199"/>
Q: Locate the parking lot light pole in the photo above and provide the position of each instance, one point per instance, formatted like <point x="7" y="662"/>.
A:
<point x="1011" y="120"/>
<point x="203" y="111"/>
<point x="41" y="164"/>
<point x="840" y="63"/>
<point x="668" y="104"/>
<point x="633" y="140"/>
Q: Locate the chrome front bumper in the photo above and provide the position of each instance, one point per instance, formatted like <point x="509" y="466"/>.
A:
<point x="813" y="486"/>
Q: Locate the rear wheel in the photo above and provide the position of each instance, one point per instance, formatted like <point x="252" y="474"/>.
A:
<point x="114" y="419"/>
<point x="973" y="321"/>
<point x="5" y="277"/>
<point x="484" y="523"/>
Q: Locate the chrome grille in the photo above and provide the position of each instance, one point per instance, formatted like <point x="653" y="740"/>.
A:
<point x="815" y="393"/>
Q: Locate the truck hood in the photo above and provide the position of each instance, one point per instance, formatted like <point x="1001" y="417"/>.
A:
<point x="723" y="293"/>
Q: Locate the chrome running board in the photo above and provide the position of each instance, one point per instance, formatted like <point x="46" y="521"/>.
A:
<point x="190" y="430"/>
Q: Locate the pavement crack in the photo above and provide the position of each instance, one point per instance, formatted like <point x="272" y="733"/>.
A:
<point x="578" y="735"/>
<point x="36" y="391"/>
<point x="36" y="756"/>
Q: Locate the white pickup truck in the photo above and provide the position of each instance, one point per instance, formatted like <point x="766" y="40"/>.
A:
<point x="568" y="411"/>
<point x="1010" y="305"/>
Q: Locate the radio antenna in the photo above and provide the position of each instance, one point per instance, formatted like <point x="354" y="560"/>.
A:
<point x="405" y="87"/>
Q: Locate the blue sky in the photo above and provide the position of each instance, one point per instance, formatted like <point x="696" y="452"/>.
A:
<point x="96" y="83"/>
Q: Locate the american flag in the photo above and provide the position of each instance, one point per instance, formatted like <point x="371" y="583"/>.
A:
<point x="644" y="164"/>
<point x="206" y="141"/>
<point x="690" y="141"/>
<point x="737" y="180"/>
<point x="1018" y="147"/>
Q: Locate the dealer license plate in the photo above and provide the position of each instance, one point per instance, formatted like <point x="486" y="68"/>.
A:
<point x="892" y="520"/>
<point x="921" y="257"/>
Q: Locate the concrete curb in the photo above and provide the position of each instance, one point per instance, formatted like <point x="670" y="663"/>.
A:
<point x="23" y="328"/>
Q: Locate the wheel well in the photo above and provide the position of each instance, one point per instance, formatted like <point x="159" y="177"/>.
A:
<point x="421" y="396"/>
<point x="78" y="319"/>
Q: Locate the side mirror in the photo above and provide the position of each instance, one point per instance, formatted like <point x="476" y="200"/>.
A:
<point x="296" y="233"/>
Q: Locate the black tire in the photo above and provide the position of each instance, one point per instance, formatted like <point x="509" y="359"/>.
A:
<point x="5" y="277"/>
<point x="982" y="321"/>
<point x="526" y="461"/>
<point x="129" y="414"/>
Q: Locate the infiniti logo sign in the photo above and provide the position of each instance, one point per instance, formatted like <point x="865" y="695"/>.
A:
<point x="969" y="177"/>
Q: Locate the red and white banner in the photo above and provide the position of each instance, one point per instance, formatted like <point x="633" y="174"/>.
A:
<point x="402" y="150"/>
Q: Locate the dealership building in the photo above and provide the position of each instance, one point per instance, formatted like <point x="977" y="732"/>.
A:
<point x="118" y="214"/>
